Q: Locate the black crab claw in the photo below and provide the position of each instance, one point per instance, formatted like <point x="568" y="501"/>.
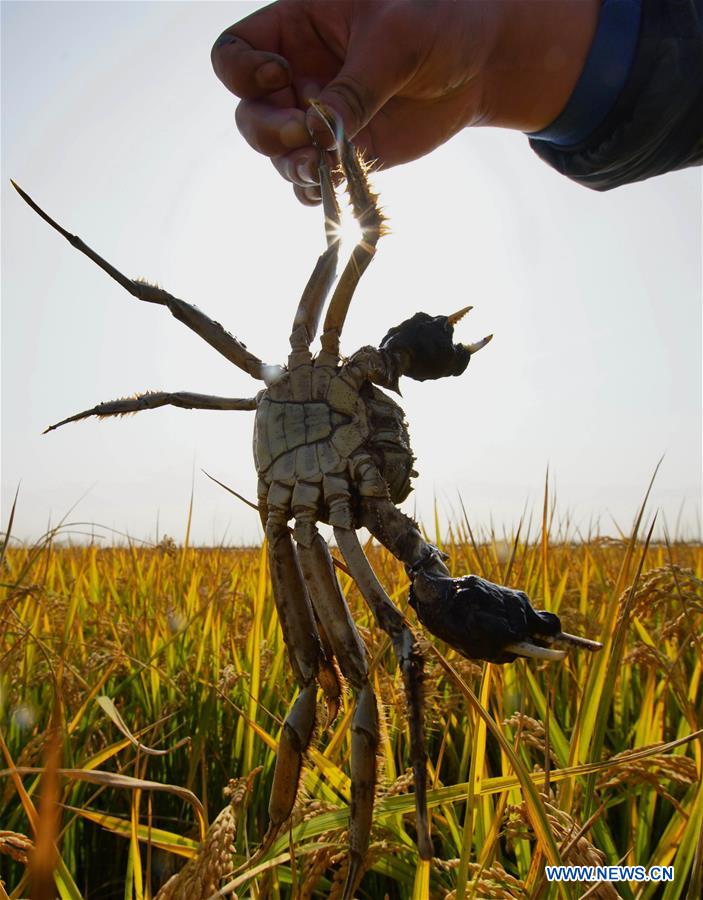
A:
<point x="424" y="347"/>
<point x="483" y="620"/>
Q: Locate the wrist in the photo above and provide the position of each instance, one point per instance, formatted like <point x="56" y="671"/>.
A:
<point x="539" y="52"/>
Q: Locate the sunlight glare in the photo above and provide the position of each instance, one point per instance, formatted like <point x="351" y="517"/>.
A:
<point x="349" y="231"/>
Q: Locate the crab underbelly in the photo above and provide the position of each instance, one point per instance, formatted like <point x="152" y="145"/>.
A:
<point x="303" y="441"/>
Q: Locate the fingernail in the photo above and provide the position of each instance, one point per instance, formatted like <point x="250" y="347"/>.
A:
<point x="312" y="194"/>
<point x="294" y="134"/>
<point x="271" y="76"/>
<point x="223" y="40"/>
<point x="306" y="170"/>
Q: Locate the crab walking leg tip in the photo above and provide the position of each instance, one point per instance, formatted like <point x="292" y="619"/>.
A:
<point x="532" y="651"/>
<point x="264" y="847"/>
<point x="329" y="118"/>
<point x="66" y="422"/>
<point x="328" y="679"/>
<point x="354" y="875"/>
<point x="23" y="194"/>
<point x="58" y="425"/>
<point x="424" y="844"/>
<point x="331" y="712"/>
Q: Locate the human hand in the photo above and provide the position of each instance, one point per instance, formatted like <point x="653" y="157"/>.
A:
<point x="403" y="75"/>
<point x="396" y="72"/>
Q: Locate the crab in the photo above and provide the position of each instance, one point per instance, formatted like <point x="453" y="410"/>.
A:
<point x="331" y="446"/>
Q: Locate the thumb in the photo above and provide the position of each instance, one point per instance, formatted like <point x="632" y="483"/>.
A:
<point x="372" y="74"/>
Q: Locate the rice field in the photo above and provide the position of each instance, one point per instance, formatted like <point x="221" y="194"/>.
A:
<point x="142" y="691"/>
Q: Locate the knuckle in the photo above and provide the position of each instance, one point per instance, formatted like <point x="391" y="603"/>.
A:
<point x="358" y="98"/>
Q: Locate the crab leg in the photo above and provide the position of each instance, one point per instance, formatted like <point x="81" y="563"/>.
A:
<point x="371" y="221"/>
<point x="410" y="662"/>
<point x="309" y="310"/>
<point x="197" y="321"/>
<point x="350" y="652"/>
<point x="155" y="399"/>
<point x="400" y="534"/>
<point x="292" y="604"/>
<point x="296" y="615"/>
<point x="331" y="608"/>
<point x="327" y="676"/>
<point x="307" y="660"/>
<point x="295" y="737"/>
<point x="364" y="743"/>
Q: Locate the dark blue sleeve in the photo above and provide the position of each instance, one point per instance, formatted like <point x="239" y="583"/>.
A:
<point x="637" y="108"/>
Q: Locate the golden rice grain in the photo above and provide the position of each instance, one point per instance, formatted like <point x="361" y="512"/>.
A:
<point x="16" y="846"/>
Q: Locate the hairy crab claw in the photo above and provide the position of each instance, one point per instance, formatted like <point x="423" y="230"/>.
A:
<point x="487" y="621"/>
<point x="425" y="347"/>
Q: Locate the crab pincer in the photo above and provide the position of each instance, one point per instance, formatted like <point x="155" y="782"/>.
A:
<point x="487" y="621"/>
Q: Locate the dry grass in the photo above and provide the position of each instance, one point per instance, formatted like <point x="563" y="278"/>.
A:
<point x="185" y="643"/>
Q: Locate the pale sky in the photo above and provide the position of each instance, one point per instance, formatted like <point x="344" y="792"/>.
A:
<point x="114" y="122"/>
